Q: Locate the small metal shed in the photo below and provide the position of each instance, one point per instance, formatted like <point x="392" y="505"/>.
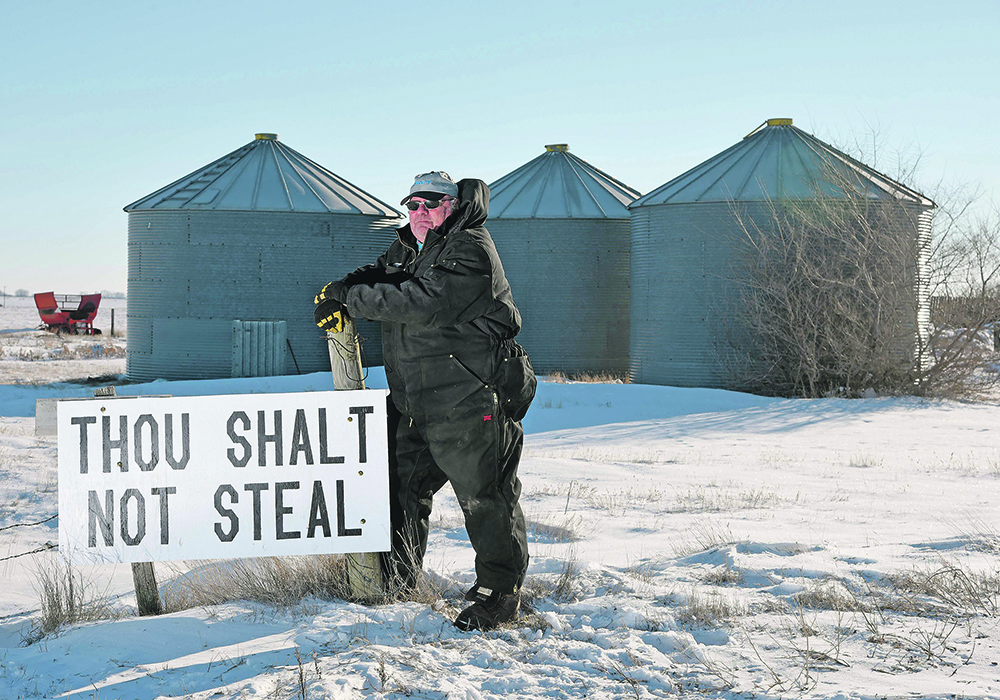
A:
<point x="223" y="265"/>
<point x="561" y="227"/>
<point x="685" y="232"/>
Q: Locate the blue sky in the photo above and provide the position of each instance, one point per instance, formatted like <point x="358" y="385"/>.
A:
<point x="104" y="104"/>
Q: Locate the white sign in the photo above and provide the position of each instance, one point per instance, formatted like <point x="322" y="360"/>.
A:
<point x="206" y="477"/>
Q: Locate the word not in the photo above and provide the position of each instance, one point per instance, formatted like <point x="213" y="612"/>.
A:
<point x="103" y="516"/>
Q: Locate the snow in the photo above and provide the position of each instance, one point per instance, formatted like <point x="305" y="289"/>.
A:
<point x="683" y="542"/>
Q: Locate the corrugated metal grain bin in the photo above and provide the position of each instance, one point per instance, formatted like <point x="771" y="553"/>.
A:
<point x="561" y="227"/>
<point x="685" y="235"/>
<point x="224" y="263"/>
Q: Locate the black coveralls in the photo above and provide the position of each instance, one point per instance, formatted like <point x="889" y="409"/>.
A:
<point x="446" y="312"/>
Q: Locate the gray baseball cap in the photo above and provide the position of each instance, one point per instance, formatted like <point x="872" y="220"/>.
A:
<point x="433" y="185"/>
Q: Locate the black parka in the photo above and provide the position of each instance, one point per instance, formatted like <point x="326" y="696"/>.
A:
<point x="445" y="310"/>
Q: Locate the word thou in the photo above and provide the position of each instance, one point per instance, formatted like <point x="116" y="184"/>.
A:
<point x="146" y="429"/>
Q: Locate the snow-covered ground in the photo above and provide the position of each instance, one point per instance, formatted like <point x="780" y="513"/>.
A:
<point x="684" y="542"/>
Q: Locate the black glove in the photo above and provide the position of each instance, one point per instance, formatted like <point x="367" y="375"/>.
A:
<point x="335" y="290"/>
<point x="330" y="315"/>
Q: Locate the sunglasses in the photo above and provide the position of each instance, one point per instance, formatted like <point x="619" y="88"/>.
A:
<point x="429" y="204"/>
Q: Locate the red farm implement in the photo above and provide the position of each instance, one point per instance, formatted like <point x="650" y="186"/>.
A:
<point x="68" y="313"/>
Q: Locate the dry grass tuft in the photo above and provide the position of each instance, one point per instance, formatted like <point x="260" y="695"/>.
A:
<point x="969" y="592"/>
<point x="547" y="531"/>
<point x="703" y="500"/>
<point x="286" y="582"/>
<point x="864" y="461"/>
<point x="65" y="598"/>
<point x="560" y="377"/>
<point x="705" y="536"/>
<point x="709" y="610"/>
<point x="827" y="595"/>
<point x="621" y="501"/>
<point x="563" y="587"/>
<point x="278" y="581"/>
<point x="723" y="576"/>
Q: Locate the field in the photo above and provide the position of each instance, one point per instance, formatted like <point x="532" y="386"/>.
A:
<point x="685" y="542"/>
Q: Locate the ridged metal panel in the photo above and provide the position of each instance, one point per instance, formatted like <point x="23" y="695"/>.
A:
<point x="192" y="273"/>
<point x="682" y="308"/>
<point x="264" y="175"/>
<point x="570" y="280"/>
<point x="559" y="185"/>
<point x="924" y="223"/>
<point x="259" y="348"/>
<point x="776" y="162"/>
<point x="679" y="264"/>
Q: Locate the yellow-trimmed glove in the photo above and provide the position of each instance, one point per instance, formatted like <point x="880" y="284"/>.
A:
<point x="330" y="315"/>
<point x="334" y="290"/>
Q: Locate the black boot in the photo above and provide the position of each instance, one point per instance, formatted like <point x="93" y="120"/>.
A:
<point x="490" y="609"/>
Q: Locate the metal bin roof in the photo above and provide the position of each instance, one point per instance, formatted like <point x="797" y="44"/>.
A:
<point x="264" y="175"/>
<point x="777" y="160"/>
<point x="558" y="185"/>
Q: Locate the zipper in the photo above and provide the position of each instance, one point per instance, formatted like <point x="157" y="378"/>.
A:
<point x="411" y="266"/>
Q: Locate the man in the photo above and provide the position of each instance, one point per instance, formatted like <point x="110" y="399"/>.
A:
<point x="458" y="383"/>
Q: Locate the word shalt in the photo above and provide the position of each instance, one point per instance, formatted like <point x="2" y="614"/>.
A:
<point x="256" y="439"/>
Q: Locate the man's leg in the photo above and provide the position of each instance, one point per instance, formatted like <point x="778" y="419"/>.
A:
<point x="510" y="490"/>
<point x="414" y="478"/>
<point x="480" y="458"/>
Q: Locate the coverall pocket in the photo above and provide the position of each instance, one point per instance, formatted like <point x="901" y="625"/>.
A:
<point x="461" y="422"/>
<point x="516" y="382"/>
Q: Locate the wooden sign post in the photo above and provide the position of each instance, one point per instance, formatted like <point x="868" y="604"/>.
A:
<point x="147" y="593"/>
<point x="364" y="572"/>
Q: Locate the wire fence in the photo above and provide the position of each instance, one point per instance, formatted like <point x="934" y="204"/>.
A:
<point x="44" y="548"/>
<point x="40" y="522"/>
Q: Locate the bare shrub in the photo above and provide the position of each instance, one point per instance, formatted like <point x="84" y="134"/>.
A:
<point x="965" y="311"/>
<point x="829" y="294"/>
<point x="826" y="297"/>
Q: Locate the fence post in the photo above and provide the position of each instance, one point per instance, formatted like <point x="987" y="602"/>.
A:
<point x="147" y="595"/>
<point x="364" y="570"/>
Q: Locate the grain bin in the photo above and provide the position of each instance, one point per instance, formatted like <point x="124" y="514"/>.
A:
<point x="224" y="263"/>
<point x="561" y="227"/>
<point x="685" y="241"/>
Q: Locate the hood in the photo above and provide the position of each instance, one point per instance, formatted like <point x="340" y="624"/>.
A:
<point x="473" y="208"/>
<point x="474" y="205"/>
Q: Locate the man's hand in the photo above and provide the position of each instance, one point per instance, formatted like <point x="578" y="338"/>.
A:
<point x="330" y="315"/>
<point x="335" y="290"/>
